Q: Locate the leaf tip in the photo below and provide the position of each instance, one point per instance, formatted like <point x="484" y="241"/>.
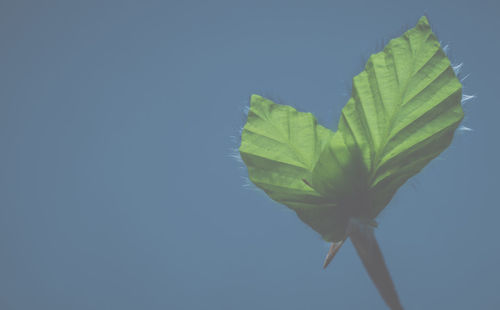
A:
<point x="423" y="21"/>
<point x="254" y="98"/>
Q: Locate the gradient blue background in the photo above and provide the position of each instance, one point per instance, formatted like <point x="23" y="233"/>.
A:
<point x="118" y="191"/>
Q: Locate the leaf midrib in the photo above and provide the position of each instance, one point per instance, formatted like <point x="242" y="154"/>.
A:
<point x="379" y="153"/>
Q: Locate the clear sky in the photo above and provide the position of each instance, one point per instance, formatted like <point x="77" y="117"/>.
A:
<point x="118" y="191"/>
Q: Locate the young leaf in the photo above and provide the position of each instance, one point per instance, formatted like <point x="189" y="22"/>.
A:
<point x="404" y="109"/>
<point x="280" y="148"/>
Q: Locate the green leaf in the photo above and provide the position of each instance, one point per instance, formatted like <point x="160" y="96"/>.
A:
<point x="404" y="109"/>
<point x="280" y="147"/>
